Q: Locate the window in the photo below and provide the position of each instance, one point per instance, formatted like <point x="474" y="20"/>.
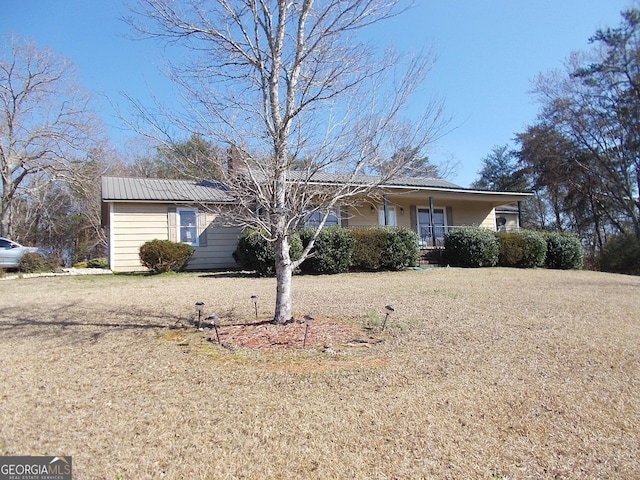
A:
<point x="391" y="216"/>
<point x="188" y="226"/>
<point x="313" y="220"/>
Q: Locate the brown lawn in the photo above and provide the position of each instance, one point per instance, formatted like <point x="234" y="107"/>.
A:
<point x="488" y="373"/>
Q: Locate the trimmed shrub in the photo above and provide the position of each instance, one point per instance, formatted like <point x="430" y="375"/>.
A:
<point x="33" y="262"/>
<point x="401" y="249"/>
<point x="511" y="247"/>
<point x="161" y="256"/>
<point x="368" y="248"/>
<point x="471" y="247"/>
<point x="97" y="263"/>
<point x="621" y="254"/>
<point x="332" y="250"/>
<point x="535" y="249"/>
<point x="256" y="253"/>
<point x="564" y="251"/>
<point x="523" y="249"/>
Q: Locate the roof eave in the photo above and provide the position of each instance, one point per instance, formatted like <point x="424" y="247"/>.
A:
<point x="200" y="202"/>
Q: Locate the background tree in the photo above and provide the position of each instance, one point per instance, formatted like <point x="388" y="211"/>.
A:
<point x="413" y="164"/>
<point x="565" y="191"/>
<point x="501" y="172"/>
<point x="193" y="159"/>
<point x="594" y="106"/>
<point x="63" y="215"/>
<point x="44" y="121"/>
<point x="292" y="84"/>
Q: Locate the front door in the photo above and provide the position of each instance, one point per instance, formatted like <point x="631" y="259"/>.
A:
<point x="425" y="228"/>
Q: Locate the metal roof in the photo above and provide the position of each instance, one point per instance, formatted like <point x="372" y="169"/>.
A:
<point x="322" y="177"/>
<point x="162" y="190"/>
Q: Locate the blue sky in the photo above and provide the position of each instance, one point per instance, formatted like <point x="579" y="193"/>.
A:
<point x="488" y="52"/>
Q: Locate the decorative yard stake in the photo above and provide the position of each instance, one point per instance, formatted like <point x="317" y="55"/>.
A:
<point x="254" y="298"/>
<point x="389" y="310"/>
<point x="307" y="321"/>
<point x="214" y="318"/>
<point x="199" y="307"/>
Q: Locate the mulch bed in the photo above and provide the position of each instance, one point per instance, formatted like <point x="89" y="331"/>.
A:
<point x="264" y="335"/>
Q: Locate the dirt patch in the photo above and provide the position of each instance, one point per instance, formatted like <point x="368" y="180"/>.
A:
<point x="265" y="336"/>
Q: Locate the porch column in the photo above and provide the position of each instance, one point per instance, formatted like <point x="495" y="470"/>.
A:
<point x="384" y="207"/>
<point x="519" y="214"/>
<point x="433" y="230"/>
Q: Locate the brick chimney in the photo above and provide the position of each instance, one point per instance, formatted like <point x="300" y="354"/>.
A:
<point x="234" y="161"/>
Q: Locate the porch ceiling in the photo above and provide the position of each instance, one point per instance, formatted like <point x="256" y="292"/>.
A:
<point x="493" y="199"/>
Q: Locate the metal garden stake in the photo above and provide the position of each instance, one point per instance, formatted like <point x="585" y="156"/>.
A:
<point x="199" y="307"/>
<point x="307" y="321"/>
<point x="214" y="318"/>
<point x="389" y="310"/>
<point x="254" y="298"/>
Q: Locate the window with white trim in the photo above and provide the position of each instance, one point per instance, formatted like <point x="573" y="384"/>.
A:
<point x="391" y="216"/>
<point x="187" y="223"/>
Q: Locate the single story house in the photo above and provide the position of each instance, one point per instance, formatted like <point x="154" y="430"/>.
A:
<point x="136" y="210"/>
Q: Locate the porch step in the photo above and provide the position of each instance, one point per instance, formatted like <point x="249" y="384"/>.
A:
<point x="431" y="257"/>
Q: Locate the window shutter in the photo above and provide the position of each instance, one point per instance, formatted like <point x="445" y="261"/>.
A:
<point x="413" y="212"/>
<point x="203" y="223"/>
<point x="449" y="216"/>
<point x="171" y="224"/>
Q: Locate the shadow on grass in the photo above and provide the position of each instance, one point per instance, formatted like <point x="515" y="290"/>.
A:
<point x="70" y="325"/>
<point x="229" y="274"/>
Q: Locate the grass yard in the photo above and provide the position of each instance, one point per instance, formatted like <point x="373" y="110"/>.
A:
<point x="481" y="373"/>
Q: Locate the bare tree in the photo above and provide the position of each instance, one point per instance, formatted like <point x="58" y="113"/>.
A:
<point x="296" y="90"/>
<point x="594" y="104"/>
<point x="45" y="123"/>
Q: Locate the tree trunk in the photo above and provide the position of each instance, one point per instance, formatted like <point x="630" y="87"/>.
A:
<point x="284" y="274"/>
<point x="5" y="221"/>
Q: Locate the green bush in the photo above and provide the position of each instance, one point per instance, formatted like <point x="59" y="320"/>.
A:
<point x="161" y="256"/>
<point x="384" y="249"/>
<point x="368" y="248"/>
<point x="564" y="251"/>
<point x="33" y="262"/>
<point x="511" y="246"/>
<point x="97" y="263"/>
<point x="401" y="249"/>
<point x="255" y="253"/>
<point x="621" y="254"/>
<point x="536" y="249"/>
<point x="332" y="250"/>
<point x="523" y="249"/>
<point x="471" y="247"/>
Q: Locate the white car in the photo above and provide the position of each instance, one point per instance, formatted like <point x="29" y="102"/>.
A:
<point x="11" y="253"/>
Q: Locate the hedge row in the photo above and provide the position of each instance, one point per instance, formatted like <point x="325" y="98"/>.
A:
<point x="336" y="250"/>
<point x="476" y="247"/>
